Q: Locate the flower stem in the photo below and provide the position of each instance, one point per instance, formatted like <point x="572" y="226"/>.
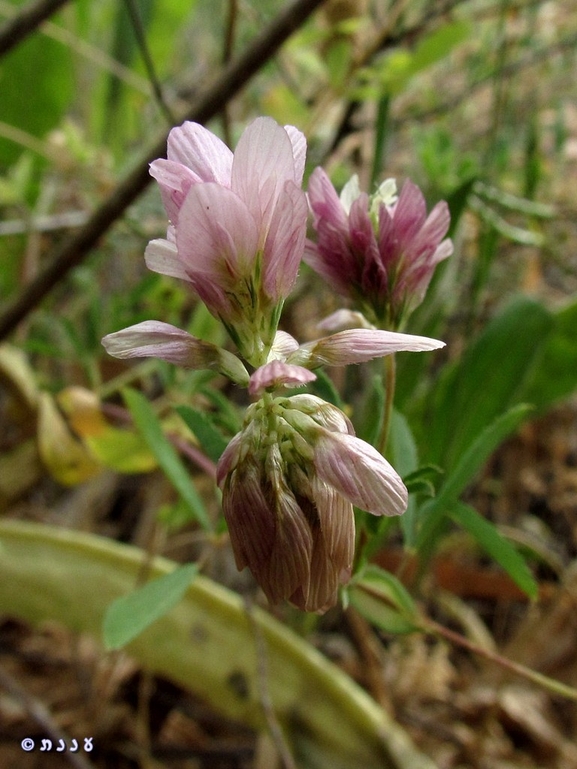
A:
<point x="389" y="376"/>
<point x="553" y="686"/>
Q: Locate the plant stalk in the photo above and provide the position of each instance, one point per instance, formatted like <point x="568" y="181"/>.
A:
<point x="550" y="684"/>
<point x="389" y="375"/>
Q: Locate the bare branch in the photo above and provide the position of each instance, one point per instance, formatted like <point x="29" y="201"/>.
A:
<point x="25" y="22"/>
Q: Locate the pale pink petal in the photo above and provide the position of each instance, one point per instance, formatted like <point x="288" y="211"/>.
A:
<point x="337" y="524"/>
<point x="360" y="474"/>
<point x="154" y="339"/>
<point x="358" y="346"/>
<point x="162" y="256"/>
<point x="276" y="374"/>
<point x="216" y="236"/>
<point x="202" y="152"/>
<point x="174" y="181"/>
<point x="284" y="245"/>
<point x="444" y="249"/>
<point x="282" y="346"/>
<point x="299" y="145"/>
<point x="344" y="319"/>
<point x="263" y="162"/>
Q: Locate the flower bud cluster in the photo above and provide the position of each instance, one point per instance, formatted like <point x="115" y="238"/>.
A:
<point x="290" y="479"/>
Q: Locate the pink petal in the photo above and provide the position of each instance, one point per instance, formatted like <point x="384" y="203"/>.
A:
<point x="299" y="146"/>
<point x="358" y="346"/>
<point x="154" y="339"/>
<point x="275" y="374"/>
<point x="282" y="346"/>
<point x="410" y="213"/>
<point x="360" y="474"/>
<point x="162" y="256"/>
<point x="174" y="181"/>
<point x="202" y="152"/>
<point x="284" y="245"/>
<point x="216" y="236"/>
<point x="343" y="319"/>
<point x="263" y="162"/>
<point x="444" y="249"/>
<point x="434" y="228"/>
<point x="324" y="201"/>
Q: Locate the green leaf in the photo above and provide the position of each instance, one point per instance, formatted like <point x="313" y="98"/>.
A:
<point x="423" y="481"/>
<point x="401" y="446"/>
<point x="402" y="451"/>
<point x="372" y="409"/>
<point x="121" y="450"/>
<point x="148" y="424"/>
<point x="555" y="374"/>
<point x="468" y="466"/>
<point x="495" y="544"/>
<point x="338" y="61"/>
<point x="131" y="614"/>
<point x="487" y="380"/>
<point x="394" y="71"/>
<point x="37" y="84"/>
<point x="384" y="601"/>
<point x="439" y="44"/>
<point x="211" y="440"/>
<point x="480" y="449"/>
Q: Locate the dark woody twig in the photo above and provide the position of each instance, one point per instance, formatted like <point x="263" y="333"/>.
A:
<point x="73" y="250"/>
<point x="25" y="22"/>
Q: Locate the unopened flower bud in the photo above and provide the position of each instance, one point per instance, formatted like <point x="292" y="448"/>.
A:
<point x="289" y="481"/>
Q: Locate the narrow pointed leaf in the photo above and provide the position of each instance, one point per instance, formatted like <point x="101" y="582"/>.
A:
<point x="495" y="544"/>
<point x="148" y="424"/>
<point x="211" y="440"/>
<point x="383" y="600"/>
<point x="130" y="614"/>
<point x="433" y="512"/>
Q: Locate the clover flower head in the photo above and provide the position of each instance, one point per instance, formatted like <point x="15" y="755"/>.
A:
<point x="379" y="250"/>
<point x="237" y="223"/>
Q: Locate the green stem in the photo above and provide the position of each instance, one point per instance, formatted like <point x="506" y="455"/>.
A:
<point x="553" y="686"/>
<point x="389" y="375"/>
